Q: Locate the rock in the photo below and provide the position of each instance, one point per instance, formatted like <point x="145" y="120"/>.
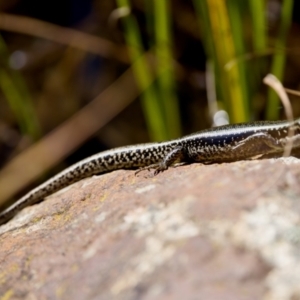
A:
<point x="222" y="231"/>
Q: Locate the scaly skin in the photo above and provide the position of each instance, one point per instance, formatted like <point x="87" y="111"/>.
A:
<point x="220" y="144"/>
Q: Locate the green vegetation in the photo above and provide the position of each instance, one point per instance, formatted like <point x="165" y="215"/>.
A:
<point x="15" y="91"/>
<point x="235" y="37"/>
<point x="278" y="62"/>
<point x="159" y="100"/>
<point x="224" y="25"/>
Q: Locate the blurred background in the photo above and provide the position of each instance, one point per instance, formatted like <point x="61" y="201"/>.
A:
<point x="78" y="77"/>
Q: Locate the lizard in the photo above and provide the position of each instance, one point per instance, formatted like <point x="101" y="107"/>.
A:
<point x="220" y="144"/>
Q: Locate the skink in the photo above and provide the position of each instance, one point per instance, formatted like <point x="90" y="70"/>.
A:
<point x="216" y="145"/>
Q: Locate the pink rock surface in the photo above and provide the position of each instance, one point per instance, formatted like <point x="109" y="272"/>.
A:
<point x="223" y="231"/>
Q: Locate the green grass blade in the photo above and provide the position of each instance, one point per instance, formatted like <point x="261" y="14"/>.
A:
<point x="257" y="9"/>
<point x="235" y="17"/>
<point x="220" y="46"/>
<point x="166" y="80"/>
<point x="203" y="19"/>
<point x="225" y="50"/>
<point x="278" y="63"/>
<point x="258" y="15"/>
<point x="150" y="102"/>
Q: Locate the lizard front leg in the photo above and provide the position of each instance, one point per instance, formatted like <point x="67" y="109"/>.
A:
<point x="176" y="155"/>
